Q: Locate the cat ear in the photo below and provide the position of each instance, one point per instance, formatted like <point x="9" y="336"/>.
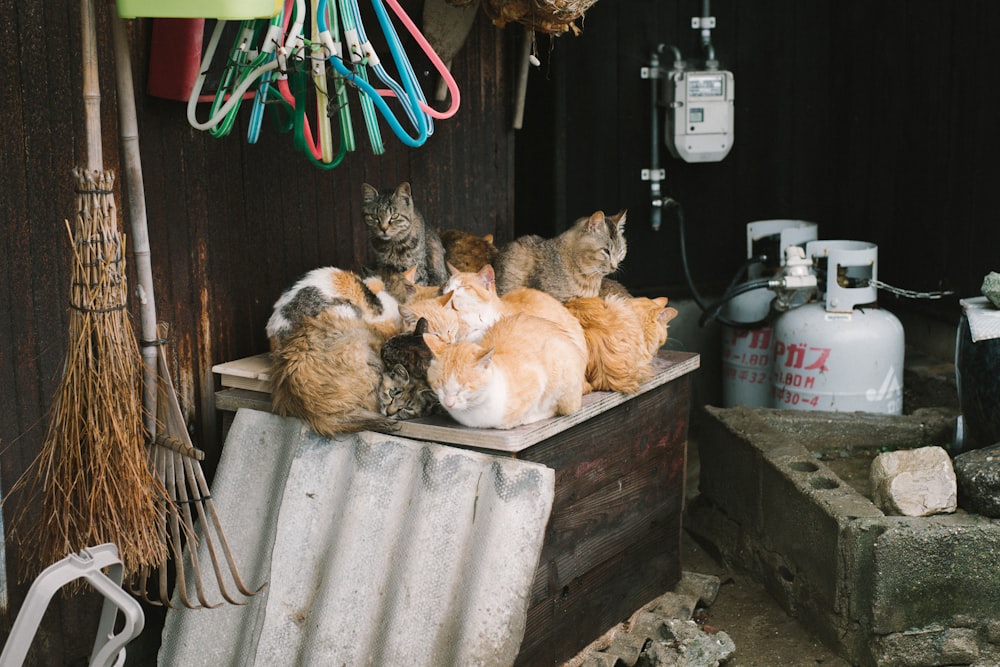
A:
<point x="619" y="220"/>
<point x="595" y="222"/>
<point x="488" y="238"/>
<point x="488" y="277"/>
<point x="445" y="300"/>
<point x="421" y="327"/>
<point x="451" y="269"/>
<point x="399" y="371"/>
<point x="411" y="274"/>
<point x="368" y="193"/>
<point x="404" y="191"/>
<point x="434" y="343"/>
<point x="661" y="301"/>
<point x="667" y="315"/>
<point x="408" y="316"/>
<point x="486" y="358"/>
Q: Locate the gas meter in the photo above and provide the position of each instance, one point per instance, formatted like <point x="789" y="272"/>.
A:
<point x="699" y="118"/>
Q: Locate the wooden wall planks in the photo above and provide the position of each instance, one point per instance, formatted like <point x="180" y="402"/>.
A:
<point x="868" y="118"/>
<point x="230" y="224"/>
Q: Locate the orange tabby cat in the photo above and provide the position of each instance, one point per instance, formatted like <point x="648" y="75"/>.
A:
<point x="524" y="369"/>
<point x="623" y="335"/>
<point x="442" y="318"/>
<point x="327" y="371"/>
<point x="479" y="307"/>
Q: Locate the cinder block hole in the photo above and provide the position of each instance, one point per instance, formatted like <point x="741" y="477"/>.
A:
<point x="823" y="483"/>
<point x="565" y="592"/>
<point x="803" y="466"/>
<point x="786" y="574"/>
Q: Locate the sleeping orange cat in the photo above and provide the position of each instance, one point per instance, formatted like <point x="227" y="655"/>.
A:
<point x="623" y="334"/>
<point x="524" y="369"/>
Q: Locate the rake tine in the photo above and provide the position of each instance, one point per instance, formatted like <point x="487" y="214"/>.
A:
<point x="184" y="504"/>
<point x="175" y="534"/>
<point x="171" y="512"/>
<point x="210" y="506"/>
<point x="198" y="502"/>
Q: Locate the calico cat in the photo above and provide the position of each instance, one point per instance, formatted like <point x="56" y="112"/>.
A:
<point x="403" y="391"/>
<point x="327" y="371"/>
<point x="467" y="252"/>
<point x="623" y="335"/>
<point x="568" y="266"/>
<point x="524" y="369"/>
<point x="475" y="298"/>
<point x="339" y="291"/>
<point x="399" y="237"/>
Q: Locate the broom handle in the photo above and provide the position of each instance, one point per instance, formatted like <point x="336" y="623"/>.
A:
<point x="128" y="129"/>
<point x="91" y="85"/>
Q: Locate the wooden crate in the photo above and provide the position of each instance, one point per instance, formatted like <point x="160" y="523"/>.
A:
<point x="613" y="539"/>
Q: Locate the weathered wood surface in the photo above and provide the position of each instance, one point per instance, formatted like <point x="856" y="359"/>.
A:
<point x="669" y="365"/>
<point x="613" y="539"/>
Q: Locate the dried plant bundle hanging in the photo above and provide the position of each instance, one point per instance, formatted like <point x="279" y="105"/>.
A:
<point x="91" y="479"/>
<point x="553" y="17"/>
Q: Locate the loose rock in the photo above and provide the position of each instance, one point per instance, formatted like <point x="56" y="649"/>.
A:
<point x="977" y="473"/>
<point x="914" y="482"/>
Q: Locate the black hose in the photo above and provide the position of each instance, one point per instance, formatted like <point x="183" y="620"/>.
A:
<point x="714" y="309"/>
<point x="749" y="286"/>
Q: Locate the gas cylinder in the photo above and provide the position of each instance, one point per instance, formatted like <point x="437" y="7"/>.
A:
<point x="841" y="353"/>
<point x="747" y="354"/>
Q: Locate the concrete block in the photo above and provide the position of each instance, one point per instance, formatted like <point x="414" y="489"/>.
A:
<point x="933" y="570"/>
<point x="881" y="590"/>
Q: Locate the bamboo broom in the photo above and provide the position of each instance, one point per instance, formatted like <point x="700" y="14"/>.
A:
<point x="91" y="478"/>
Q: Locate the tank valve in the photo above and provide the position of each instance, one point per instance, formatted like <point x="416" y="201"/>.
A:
<point x="797" y="283"/>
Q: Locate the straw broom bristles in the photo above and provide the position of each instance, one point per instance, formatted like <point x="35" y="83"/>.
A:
<point x="92" y="475"/>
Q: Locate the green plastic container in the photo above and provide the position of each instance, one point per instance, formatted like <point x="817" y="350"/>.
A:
<point x="200" y="9"/>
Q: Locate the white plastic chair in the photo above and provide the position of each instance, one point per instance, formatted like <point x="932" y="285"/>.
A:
<point x="109" y="647"/>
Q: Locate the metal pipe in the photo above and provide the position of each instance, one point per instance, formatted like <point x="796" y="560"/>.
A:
<point x="655" y="193"/>
<point x="706" y="35"/>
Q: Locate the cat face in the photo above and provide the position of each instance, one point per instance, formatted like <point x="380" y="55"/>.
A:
<point x="602" y="244"/>
<point x="654" y="317"/>
<point x="458" y="373"/>
<point x="388" y="215"/>
<point x="404" y="397"/>
<point x="474" y="298"/>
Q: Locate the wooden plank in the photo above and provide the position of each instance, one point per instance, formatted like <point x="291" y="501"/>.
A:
<point x="253" y="373"/>
<point x="232" y="399"/>
<point x="669" y="365"/>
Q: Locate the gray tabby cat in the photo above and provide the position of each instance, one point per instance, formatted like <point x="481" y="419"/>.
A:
<point x="403" y="391"/>
<point x="572" y="265"/>
<point x="400" y="238"/>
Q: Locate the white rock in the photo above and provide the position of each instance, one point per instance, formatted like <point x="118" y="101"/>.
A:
<point x="914" y="482"/>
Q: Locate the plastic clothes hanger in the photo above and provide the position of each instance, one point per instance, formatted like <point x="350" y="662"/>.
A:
<point x="367" y="105"/>
<point x="340" y="88"/>
<point x="360" y="44"/>
<point x="360" y="79"/>
<point x="236" y="95"/>
<point x="238" y="66"/>
<point x="425" y="46"/>
<point x="318" y="65"/>
<point x="263" y="90"/>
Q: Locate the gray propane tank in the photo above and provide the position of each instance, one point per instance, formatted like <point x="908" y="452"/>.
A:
<point x="842" y="353"/>
<point x="748" y="354"/>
